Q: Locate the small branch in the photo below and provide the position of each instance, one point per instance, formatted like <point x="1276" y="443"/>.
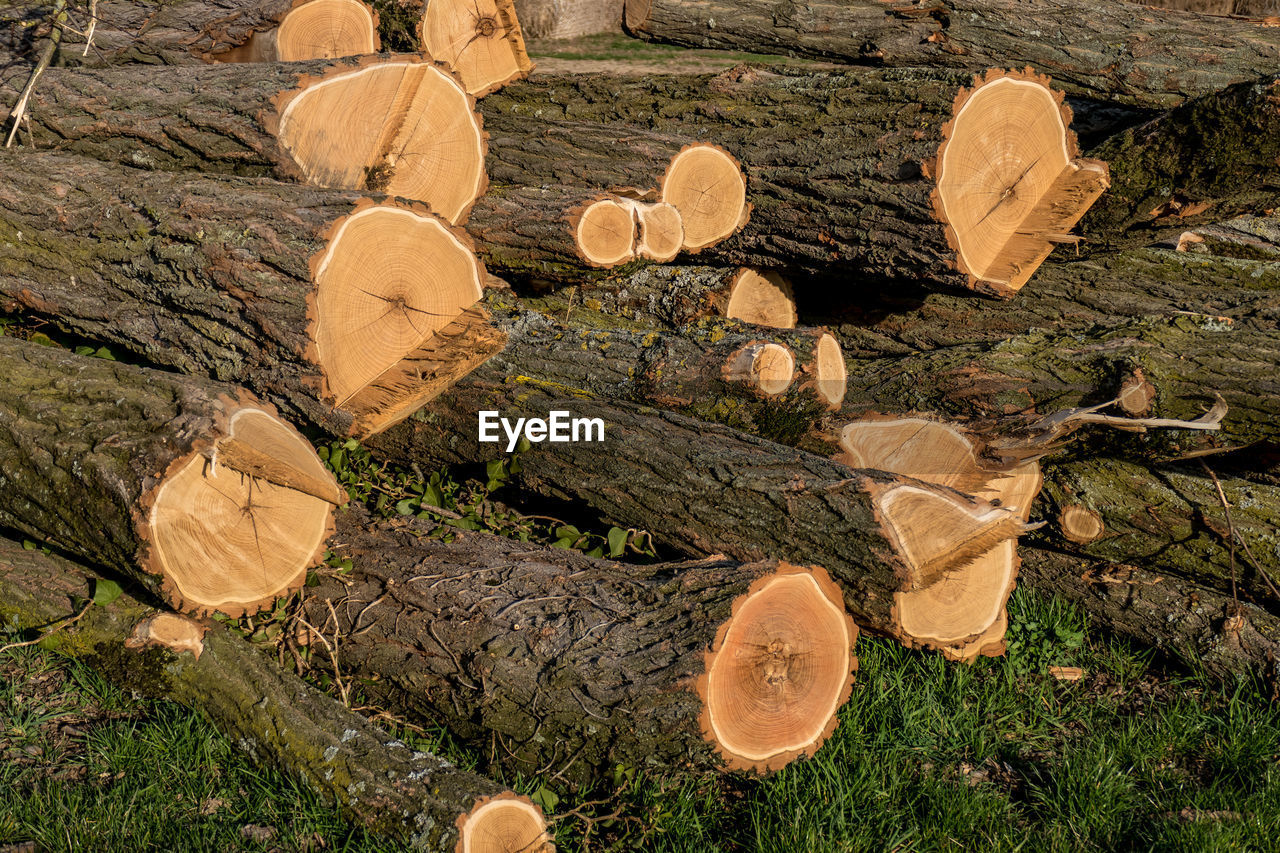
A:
<point x="93" y="25"/>
<point x="58" y="626"/>
<point x="59" y="19"/>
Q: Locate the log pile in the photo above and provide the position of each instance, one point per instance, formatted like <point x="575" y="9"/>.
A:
<point x="860" y="346"/>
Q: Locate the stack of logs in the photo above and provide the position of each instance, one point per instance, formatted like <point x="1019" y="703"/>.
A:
<point x="916" y="345"/>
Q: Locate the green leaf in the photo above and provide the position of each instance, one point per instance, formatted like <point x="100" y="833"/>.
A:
<point x="105" y="592"/>
<point x="432" y="495"/>
<point x="596" y="552"/>
<point x="617" y="541"/>
<point x="104" y="353"/>
<point x="568" y="532"/>
<point x="463" y="523"/>
<point x="28" y="545"/>
<point x="83" y="350"/>
<point x="546" y="798"/>
<point x="523" y="445"/>
<point x="406" y="506"/>
<point x="350" y="444"/>
<point x="566" y="544"/>
<point x="497" y="469"/>
<point x="42" y="339"/>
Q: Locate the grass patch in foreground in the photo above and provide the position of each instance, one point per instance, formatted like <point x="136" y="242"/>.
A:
<point x="928" y="756"/>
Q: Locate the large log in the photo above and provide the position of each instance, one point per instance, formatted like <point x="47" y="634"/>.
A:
<point x="578" y="666"/>
<point x="326" y="302"/>
<point x="397" y="124"/>
<point x="707" y="489"/>
<point x="197" y="31"/>
<point x="192" y="488"/>
<point x="280" y="721"/>
<point x="1122" y="51"/>
<point x="856" y="189"/>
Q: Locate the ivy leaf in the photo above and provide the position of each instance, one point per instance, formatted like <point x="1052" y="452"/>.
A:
<point x="546" y="798"/>
<point x="105" y="592"/>
<point x="617" y="541"/>
<point x="405" y="507"/>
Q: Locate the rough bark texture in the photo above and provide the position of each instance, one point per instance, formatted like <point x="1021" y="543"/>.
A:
<point x="201" y="274"/>
<point x="1170" y="520"/>
<point x="663" y="295"/>
<point x="84" y="440"/>
<point x="202" y="118"/>
<point x="702" y="488"/>
<point x="1194" y="624"/>
<point x="576" y="665"/>
<point x="272" y="715"/>
<point x="849" y="190"/>
<point x="1205" y="161"/>
<point x="171" y="33"/>
<point x="1122" y="51"/>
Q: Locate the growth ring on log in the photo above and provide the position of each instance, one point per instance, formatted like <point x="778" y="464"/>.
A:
<point x="605" y="232"/>
<point x="829" y="368"/>
<point x="402" y="127"/>
<point x="765" y="366"/>
<point x="661" y="231"/>
<point x="1010" y="183"/>
<point x="780" y="668"/>
<point x="390" y="278"/>
<point x="763" y="298"/>
<point x="313" y="29"/>
<point x="230" y="541"/>
<point x="479" y="39"/>
<point x="706" y="184"/>
<point x="506" y="823"/>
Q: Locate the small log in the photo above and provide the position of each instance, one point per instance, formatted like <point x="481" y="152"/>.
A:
<point x="762" y="298"/>
<point x="860" y="191"/>
<point x="197" y="31"/>
<point x="419" y="799"/>
<point x="343" y="312"/>
<point x="309" y="123"/>
<point x="123" y="466"/>
<point x="1118" y="51"/>
<point x="565" y="19"/>
<point x="587" y="664"/>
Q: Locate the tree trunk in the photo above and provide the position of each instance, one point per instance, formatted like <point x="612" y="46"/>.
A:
<point x="857" y="188"/>
<point x="274" y="716"/>
<point x="251" y="282"/>
<point x="191" y="487"/>
<point x="196" y="31"/>
<point x="851" y="189"/>
<point x="1122" y="51"/>
<point x="295" y="122"/>
<point x="1196" y="625"/>
<point x="1170" y="521"/>
<point x="579" y="666"/>
<point x="707" y="489"/>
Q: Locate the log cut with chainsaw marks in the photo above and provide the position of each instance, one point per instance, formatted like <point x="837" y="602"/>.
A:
<point x="196" y="490"/>
<point x="479" y="39"/>
<point x="1010" y="183"/>
<point x="401" y="127"/>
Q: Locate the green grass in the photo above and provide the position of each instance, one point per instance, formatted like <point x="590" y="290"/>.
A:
<point x="928" y="756"/>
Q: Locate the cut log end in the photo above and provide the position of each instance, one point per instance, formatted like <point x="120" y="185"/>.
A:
<point x="832" y="376"/>
<point x="1136" y="395"/>
<point x="928" y="450"/>
<point x="1080" y="524"/>
<point x="1009" y="182"/>
<point x="314" y="29"/>
<point x="480" y="40"/>
<point x="427" y="144"/>
<point x="605" y="232"/>
<point x="173" y="632"/>
<point x="507" y="823"/>
<point x="763" y="298"/>
<point x="964" y="612"/>
<point x="228" y="541"/>
<point x="661" y="231"/>
<point x="706" y="184"/>
<point x="388" y="280"/>
<point x="778" y="671"/>
<point x="767" y="367"/>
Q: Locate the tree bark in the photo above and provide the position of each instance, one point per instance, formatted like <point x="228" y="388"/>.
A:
<point x="92" y="451"/>
<point x="1121" y="51"/>
<point x="577" y="665"/>
<point x="274" y="716"/>
<point x="854" y="190"/>
<point x="1196" y="625"/>
<point x="703" y="488"/>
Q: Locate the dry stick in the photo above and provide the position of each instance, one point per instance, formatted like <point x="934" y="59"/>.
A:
<point x="1236" y="535"/>
<point x="58" y="19"/>
<point x="93" y="26"/>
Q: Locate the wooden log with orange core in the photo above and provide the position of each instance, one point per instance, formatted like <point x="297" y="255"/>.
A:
<point x="586" y="664"/>
<point x="972" y="186"/>
<point x="420" y="800"/>
<point x="198" y="31"/>
<point x="343" y="312"/>
<point x="200" y="492"/>
<point x="392" y="124"/>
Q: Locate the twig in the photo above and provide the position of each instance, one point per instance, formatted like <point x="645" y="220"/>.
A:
<point x="59" y="18"/>
<point x="1234" y="536"/>
<point x="93" y="25"/>
<point x="63" y="623"/>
